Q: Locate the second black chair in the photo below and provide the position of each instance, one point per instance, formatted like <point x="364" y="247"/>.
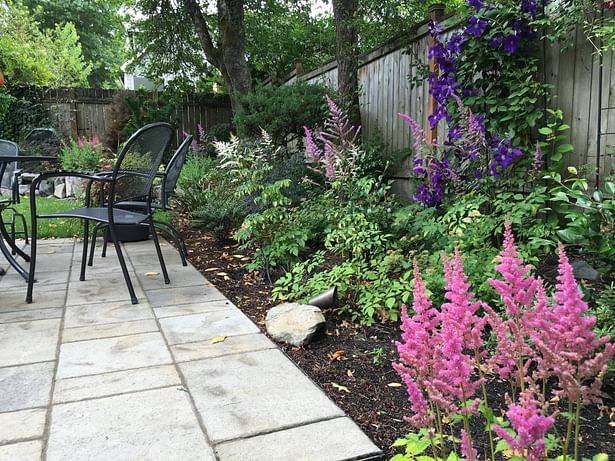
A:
<point x="132" y="177"/>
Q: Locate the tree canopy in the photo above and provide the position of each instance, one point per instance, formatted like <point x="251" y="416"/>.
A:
<point x="99" y="25"/>
<point x="29" y="54"/>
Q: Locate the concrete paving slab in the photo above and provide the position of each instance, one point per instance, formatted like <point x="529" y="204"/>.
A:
<point x="51" y="262"/>
<point x="108" y="330"/>
<point x="112" y="354"/>
<point x="197" y="308"/>
<point x="247" y="394"/>
<point x="118" y="382"/>
<point x="15" y="298"/>
<point x="151" y="425"/>
<point x="174" y="296"/>
<point x="100" y="313"/>
<point x="31" y="314"/>
<point x="231" y="345"/>
<point x="200" y="327"/>
<point x="332" y="440"/>
<point x="24" y="424"/>
<point x="149" y="260"/>
<point x="101" y="289"/>
<point x="25" y="386"/>
<point x="23" y="451"/>
<point x="183" y="278"/>
<point x="28" y="342"/>
<point x="45" y="281"/>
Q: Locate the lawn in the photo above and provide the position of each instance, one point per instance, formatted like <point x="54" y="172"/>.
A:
<point x="56" y="228"/>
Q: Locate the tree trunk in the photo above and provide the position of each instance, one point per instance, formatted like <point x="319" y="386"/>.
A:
<point x="229" y="56"/>
<point x="346" y="38"/>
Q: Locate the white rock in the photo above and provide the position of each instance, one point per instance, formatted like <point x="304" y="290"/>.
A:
<point x="60" y="190"/>
<point x="294" y="323"/>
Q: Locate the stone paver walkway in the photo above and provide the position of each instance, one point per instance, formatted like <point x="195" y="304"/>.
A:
<point x="85" y="375"/>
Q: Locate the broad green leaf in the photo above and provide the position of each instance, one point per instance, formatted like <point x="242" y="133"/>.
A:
<point x="610" y="187"/>
<point x="501" y="446"/>
<point x="545" y="131"/>
<point x="572" y="170"/>
<point x="568" y="235"/>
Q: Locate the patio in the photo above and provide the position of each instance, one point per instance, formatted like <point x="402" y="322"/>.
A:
<point x="182" y="375"/>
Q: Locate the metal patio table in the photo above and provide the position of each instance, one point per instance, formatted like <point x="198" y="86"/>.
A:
<point x="6" y="243"/>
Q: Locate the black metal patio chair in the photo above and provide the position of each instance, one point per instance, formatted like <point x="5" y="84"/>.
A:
<point x="9" y="179"/>
<point x="132" y="177"/>
<point x="167" y="186"/>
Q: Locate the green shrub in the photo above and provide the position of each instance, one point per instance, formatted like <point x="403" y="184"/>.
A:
<point x="281" y="111"/>
<point x="81" y="155"/>
<point x="220" y="212"/>
<point x="198" y="176"/>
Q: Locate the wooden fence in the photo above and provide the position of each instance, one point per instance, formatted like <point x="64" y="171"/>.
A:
<point x="573" y="71"/>
<point x="86" y="112"/>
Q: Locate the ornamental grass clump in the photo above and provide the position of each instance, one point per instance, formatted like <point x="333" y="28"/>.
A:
<point x="545" y="348"/>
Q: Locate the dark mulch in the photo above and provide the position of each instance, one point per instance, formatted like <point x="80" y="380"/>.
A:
<point x="352" y="363"/>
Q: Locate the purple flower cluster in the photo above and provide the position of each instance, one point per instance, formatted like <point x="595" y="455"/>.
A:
<point x="504" y="154"/>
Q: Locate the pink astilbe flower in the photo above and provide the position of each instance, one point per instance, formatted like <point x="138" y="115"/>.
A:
<point x="416" y="350"/>
<point x="460" y="334"/>
<point x="467" y="450"/>
<point x="313" y="152"/>
<point x="569" y="348"/>
<point x="530" y="426"/>
<point x="201" y="131"/>
<point x="419" y="139"/>
<point x="80" y="141"/>
<point x="517" y="291"/>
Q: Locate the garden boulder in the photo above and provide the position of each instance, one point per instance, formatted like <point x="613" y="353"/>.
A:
<point x="294" y="323"/>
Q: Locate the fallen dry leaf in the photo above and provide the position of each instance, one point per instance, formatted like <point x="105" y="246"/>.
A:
<point x="50" y="252"/>
<point x="211" y="269"/>
<point x="394" y="384"/>
<point x="337" y="355"/>
<point x="152" y="274"/>
<point x="210" y="285"/>
<point x="340" y="388"/>
<point x="217" y="339"/>
<point x="350" y="373"/>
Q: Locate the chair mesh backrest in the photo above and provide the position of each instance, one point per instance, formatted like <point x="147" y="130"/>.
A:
<point x="174" y="168"/>
<point x="41" y="135"/>
<point x="6" y="174"/>
<point x="138" y="162"/>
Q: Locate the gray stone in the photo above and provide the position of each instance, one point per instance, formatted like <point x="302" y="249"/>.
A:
<point x="101" y="313"/>
<point x="46" y="187"/>
<point x="59" y="191"/>
<point x="338" y="439"/>
<point x="28" y="342"/>
<point x="24" y="424"/>
<point x="24" y="451"/>
<point x="582" y="270"/>
<point x="108" y="330"/>
<point x="25" y="386"/>
<point x="201" y="327"/>
<point x="118" y="382"/>
<point x="231" y="345"/>
<point x="101" y="288"/>
<point x="183" y="295"/>
<point x="294" y="323"/>
<point x="31" y="314"/>
<point x="112" y="354"/>
<point x="242" y="395"/>
<point x="156" y="425"/>
<point x="188" y="309"/>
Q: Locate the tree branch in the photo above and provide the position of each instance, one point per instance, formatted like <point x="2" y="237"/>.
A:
<point x="212" y="53"/>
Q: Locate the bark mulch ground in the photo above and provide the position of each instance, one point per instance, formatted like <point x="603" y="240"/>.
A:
<point x="352" y="363"/>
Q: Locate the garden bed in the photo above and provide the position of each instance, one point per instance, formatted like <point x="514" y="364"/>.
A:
<point x="352" y="363"/>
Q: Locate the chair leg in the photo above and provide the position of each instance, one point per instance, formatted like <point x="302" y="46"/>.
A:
<point x="105" y="241"/>
<point x="84" y="252"/>
<point x="152" y="230"/>
<point x="32" y="261"/>
<point x="120" y="256"/>
<point x="13" y="245"/>
<point x="93" y="244"/>
<point x="172" y="232"/>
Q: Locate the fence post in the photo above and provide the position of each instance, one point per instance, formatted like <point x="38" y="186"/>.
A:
<point x="436" y="13"/>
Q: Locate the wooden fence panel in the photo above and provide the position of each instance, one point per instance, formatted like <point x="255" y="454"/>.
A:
<point x="86" y="112"/>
